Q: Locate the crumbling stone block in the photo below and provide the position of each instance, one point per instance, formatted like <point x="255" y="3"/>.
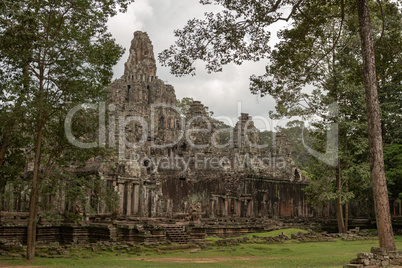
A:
<point x="385" y="263"/>
<point x="365" y="255"/>
<point x="379" y="251"/>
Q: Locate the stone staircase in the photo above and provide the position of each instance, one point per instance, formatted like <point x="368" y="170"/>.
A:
<point x="176" y="234"/>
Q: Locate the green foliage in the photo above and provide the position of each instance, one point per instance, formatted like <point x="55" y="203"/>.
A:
<point x="78" y="189"/>
<point x="53" y="56"/>
<point x="344" y="85"/>
<point x="185" y="103"/>
<point x="12" y="188"/>
<point x="71" y="217"/>
<point x="393" y="169"/>
<point x="266" y="137"/>
<point x="316" y="62"/>
<point x="52" y="217"/>
<point x="287" y="232"/>
<point x="298" y="136"/>
<point x="237" y="34"/>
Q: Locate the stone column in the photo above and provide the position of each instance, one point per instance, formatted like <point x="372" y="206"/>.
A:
<point x="226" y="207"/>
<point x="87" y="206"/>
<point x="129" y="198"/>
<point x="213" y="208"/>
<point x="251" y="208"/>
<point x="121" y="197"/>
<point x="245" y="209"/>
<point x="144" y="201"/>
<point x="135" y="197"/>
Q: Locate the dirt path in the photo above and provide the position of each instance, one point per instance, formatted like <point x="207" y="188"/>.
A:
<point x="200" y="260"/>
<point x="19" y="266"/>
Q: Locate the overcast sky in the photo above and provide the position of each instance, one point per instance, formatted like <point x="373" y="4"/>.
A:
<point x="221" y="92"/>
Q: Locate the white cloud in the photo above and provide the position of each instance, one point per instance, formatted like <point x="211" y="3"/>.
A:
<point x="221" y="92"/>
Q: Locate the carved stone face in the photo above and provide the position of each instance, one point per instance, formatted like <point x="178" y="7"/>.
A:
<point x="141" y="59"/>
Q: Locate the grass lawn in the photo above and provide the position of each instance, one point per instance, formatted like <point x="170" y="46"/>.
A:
<point x="288" y="254"/>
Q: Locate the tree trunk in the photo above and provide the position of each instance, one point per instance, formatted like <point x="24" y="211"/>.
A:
<point x="34" y="201"/>
<point x="346" y="207"/>
<point x="380" y="192"/>
<point x="346" y="186"/>
<point x="339" y="212"/>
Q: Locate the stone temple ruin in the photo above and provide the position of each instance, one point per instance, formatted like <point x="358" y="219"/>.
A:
<point x="176" y="176"/>
<point x="194" y="175"/>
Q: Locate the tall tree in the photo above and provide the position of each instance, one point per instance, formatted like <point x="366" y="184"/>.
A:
<point x="61" y="53"/>
<point x="241" y="32"/>
<point x="380" y="191"/>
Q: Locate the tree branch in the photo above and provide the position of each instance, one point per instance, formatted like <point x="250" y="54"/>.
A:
<point x="296" y="6"/>
<point x="383" y="21"/>
<point x="337" y="38"/>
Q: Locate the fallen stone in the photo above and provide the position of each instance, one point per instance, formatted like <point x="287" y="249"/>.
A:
<point x="375" y="262"/>
<point x="385" y="263"/>
<point x="365" y="255"/>
<point x="365" y="262"/>
<point x="396" y="261"/>
<point x="379" y="251"/>
<point x="356" y="261"/>
<point x="379" y="257"/>
<point x="353" y="265"/>
<point x="395" y="254"/>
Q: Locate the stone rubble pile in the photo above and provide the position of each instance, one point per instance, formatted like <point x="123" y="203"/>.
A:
<point x="379" y="257"/>
<point x="301" y="237"/>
